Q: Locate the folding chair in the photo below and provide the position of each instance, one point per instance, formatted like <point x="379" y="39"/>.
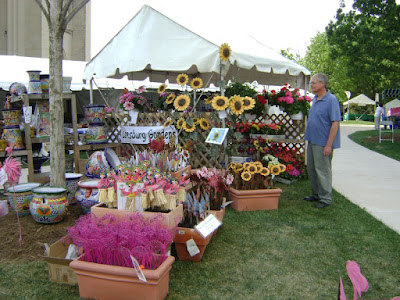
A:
<point x="386" y="127"/>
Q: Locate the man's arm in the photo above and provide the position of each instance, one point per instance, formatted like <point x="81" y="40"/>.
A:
<point x="331" y="138"/>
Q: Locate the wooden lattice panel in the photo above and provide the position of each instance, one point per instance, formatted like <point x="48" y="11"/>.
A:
<point x="205" y="154"/>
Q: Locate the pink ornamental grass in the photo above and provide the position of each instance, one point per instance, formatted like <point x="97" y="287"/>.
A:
<point x="110" y="240"/>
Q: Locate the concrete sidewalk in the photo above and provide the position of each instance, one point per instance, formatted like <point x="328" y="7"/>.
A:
<point x="367" y="178"/>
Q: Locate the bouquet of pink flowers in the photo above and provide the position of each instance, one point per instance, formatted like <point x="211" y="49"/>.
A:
<point x="133" y="100"/>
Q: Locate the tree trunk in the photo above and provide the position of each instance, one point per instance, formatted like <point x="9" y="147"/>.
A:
<point x="57" y="146"/>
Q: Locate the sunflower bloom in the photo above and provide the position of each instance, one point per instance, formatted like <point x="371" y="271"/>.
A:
<point x="189" y="128"/>
<point x="246" y="176"/>
<point x="236" y="105"/>
<point x="225" y="52"/>
<point x="170" y="99"/>
<point x="252" y="168"/>
<point x="275" y="170"/>
<point x="248" y="103"/>
<point x="168" y="122"/>
<point x="220" y="102"/>
<point x="265" y="171"/>
<point x="209" y="99"/>
<point x="161" y="88"/>
<point x="282" y="167"/>
<point x="239" y="167"/>
<point x="196" y="83"/>
<point x="231" y="165"/>
<point x="196" y="121"/>
<point x="246" y="165"/>
<point x="204" y="124"/>
<point x="182" y="79"/>
<point x="180" y="123"/>
<point x="181" y="102"/>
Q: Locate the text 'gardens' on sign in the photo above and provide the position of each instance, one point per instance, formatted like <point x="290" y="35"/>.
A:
<point x="144" y="134"/>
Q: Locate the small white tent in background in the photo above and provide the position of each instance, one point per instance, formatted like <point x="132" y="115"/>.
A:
<point x="360" y="100"/>
<point x="392" y="104"/>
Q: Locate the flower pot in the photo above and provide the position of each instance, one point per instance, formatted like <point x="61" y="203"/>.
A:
<point x="170" y="219"/>
<point x="34" y="75"/>
<point x="34" y="87"/>
<point x="219" y="214"/>
<point x="87" y="195"/>
<point x="96" y="134"/>
<point x="250" y="200"/>
<point x="20" y="196"/>
<point x="49" y="204"/>
<point x="11" y="117"/>
<point x="13" y="135"/>
<point x="298" y="116"/>
<point x="95" y="113"/>
<point x="98" y="281"/>
<point x="71" y="183"/>
<point x="67" y="84"/>
<point x="44" y="83"/>
<point x="182" y="236"/>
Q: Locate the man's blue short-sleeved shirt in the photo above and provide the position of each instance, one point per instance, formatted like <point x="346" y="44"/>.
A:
<point x="320" y="117"/>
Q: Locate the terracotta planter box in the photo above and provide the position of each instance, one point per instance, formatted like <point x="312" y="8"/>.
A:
<point x="170" y="219"/>
<point x="178" y="174"/>
<point x="184" y="234"/>
<point x="219" y="214"/>
<point x="250" y="200"/>
<point x="98" y="281"/>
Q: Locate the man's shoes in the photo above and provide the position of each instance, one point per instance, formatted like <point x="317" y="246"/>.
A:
<point x="321" y="204"/>
<point x="310" y="198"/>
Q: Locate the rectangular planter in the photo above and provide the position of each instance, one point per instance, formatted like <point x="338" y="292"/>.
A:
<point x="170" y="219"/>
<point x="105" y="282"/>
<point x="250" y="200"/>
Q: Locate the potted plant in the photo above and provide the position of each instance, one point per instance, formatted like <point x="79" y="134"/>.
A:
<point x="291" y="101"/>
<point x="106" y="270"/>
<point x="253" y="186"/>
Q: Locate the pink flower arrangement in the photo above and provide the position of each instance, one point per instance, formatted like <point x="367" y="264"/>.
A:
<point x="290" y="100"/>
<point x="111" y="241"/>
<point x="133" y="100"/>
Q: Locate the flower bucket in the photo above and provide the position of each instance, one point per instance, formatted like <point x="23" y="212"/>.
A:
<point x="182" y="236"/>
<point x="298" y="116"/>
<point x="99" y="281"/>
<point x="250" y="200"/>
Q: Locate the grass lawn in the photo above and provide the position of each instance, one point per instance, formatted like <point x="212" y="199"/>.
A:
<point x="370" y="140"/>
<point x="295" y="252"/>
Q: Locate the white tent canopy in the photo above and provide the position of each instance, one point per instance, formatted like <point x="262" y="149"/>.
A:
<point x="392" y="104"/>
<point x="360" y="100"/>
<point x="153" y="46"/>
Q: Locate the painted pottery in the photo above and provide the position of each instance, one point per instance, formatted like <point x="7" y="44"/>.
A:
<point x="49" y="204"/>
<point x="97" y="164"/>
<point x="34" y="87"/>
<point x="71" y="181"/>
<point x="20" y="196"/>
<point x="44" y="83"/>
<point x="87" y="194"/>
<point x="11" y="116"/>
<point x="17" y="88"/>
<point x="95" y="113"/>
<point x="34" y="75"/>
<point x="106" y="282"/>
<point x="13" y="135"/>
<point x="67" y="84"/>
<point x="96" y="134"/>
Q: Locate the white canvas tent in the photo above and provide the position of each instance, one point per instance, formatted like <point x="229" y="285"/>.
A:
<point x="360" y="100"/>
<point x="392" y="104"/>
<point x="153" y="46"/>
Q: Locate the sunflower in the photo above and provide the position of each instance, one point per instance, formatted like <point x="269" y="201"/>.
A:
<point x="225" y="52"/>
<point x="216" y="136"/>
<point x="204" y="124"/>
<point x="248" y="103"/>
<point x="168" y="122"/>
<point x="161" y="88"/>
<point x="209" y="99"/>
<point x="275" y="170"/>
<point x="252" y="168"/>
<point x="282" y="168"/>
<point x="264" y="171"/>
<point x="239" y="167"/>
<point x="189" y="128"/>
<point x="196" y="120"/>
<point x="180" y="122"/>
<point x="170" y="99"/>
<point x="246" y="165"/>
<point x="259" y="167"/>
<point x="236" y="105"/>
<point x="196" y="83"/>
<point x="220" y="102"/>
<point x="231" y="165"/>
<point x="182" y="79"/>
<point x="181" y="102"/>
<point x="246" y="176"/>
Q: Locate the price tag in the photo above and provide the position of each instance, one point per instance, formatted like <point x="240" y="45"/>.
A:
<point x="138" y="269"/>
<point x="192" y="247"/>
<point x="27" y="114"/>
<point x="208" y="226"/>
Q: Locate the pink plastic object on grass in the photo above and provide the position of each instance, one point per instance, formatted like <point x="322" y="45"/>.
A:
<point x="360" y="283"/>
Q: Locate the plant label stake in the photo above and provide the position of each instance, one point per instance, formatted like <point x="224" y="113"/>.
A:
<point x="138" y="269"/>
<point x="206" y="227"/>
<point x="192" y="247"/>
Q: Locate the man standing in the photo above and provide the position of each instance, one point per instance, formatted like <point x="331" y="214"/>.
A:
<point x="323" y="135"/>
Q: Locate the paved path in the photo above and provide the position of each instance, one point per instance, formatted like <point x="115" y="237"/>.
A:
<point x="367" y="178"/>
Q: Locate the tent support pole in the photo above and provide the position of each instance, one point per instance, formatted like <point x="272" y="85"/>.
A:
<point x="91" y="91"/>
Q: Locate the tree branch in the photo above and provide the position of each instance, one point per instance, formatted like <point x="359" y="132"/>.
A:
<point x="46" y="13"/>
<point x="75" y="10"/>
